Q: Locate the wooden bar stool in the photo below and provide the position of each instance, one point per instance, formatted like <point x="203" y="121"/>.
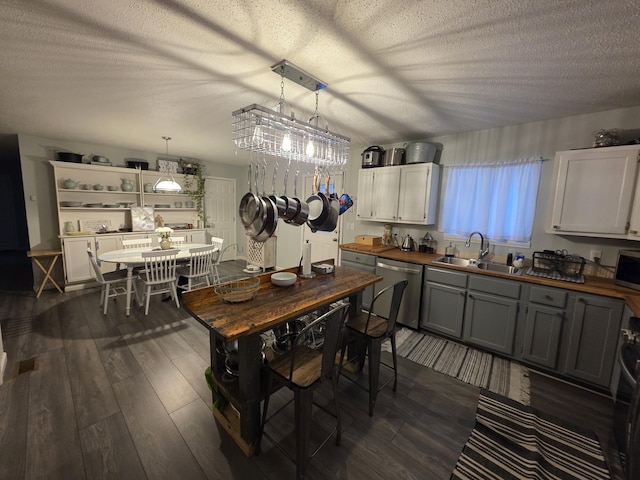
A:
<point x="53" y="255"/>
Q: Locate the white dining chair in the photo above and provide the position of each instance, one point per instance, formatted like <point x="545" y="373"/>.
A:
<point x="136" y="243"/>
<point x="198" y="271"/>
<point x="159" y="275"/>
<point x="112" y="283"/>
<point x="217" y="258"/>
<point x="177" y="241"/>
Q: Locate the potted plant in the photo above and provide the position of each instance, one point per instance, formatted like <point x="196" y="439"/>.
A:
<point x="193" y="184"/>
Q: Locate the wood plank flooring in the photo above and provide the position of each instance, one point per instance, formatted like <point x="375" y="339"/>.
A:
<point x="125" y="397"/>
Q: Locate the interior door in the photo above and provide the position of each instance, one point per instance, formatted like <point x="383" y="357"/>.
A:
<point x="324" y="245"/>
<point x="219" y="207"/>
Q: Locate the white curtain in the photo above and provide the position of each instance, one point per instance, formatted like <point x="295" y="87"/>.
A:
<point x="497" y="199"/>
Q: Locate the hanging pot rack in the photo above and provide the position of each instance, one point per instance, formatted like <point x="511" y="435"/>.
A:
<point x="272" y="132"/>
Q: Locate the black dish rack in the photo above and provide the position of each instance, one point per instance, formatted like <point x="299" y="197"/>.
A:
<point x="558" y="266"/>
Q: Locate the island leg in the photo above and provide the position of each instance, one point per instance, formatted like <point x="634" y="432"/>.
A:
<point x="250" y="365"/>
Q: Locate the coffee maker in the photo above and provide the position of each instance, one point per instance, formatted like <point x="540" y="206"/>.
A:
<point x="427" y="244"/>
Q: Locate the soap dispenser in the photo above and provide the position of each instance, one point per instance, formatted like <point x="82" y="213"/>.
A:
<point x="450" y="251"/>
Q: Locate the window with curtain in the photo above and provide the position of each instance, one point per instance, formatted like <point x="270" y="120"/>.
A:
<point x="496" y="199"/>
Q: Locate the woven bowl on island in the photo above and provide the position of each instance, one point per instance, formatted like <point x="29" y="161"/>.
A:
<point x="237" y="288"/>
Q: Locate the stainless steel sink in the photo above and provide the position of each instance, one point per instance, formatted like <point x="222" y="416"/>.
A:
<point x="473" y="264"/>
<point x="458" y="262"/>
<point x="500" y="268"/>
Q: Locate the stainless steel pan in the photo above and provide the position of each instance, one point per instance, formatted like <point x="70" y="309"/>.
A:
<point x="302" y="209"/>
<point x="266" y="225"/>
<point x="249" y="209"/>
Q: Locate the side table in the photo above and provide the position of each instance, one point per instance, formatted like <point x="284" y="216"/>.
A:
<point x="53" y="256"/>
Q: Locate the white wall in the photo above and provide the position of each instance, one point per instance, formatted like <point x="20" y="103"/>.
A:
<point x="507" y="143"/>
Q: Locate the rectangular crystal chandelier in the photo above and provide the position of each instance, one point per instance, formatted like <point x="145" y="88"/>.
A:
<point x="271" y="132"/>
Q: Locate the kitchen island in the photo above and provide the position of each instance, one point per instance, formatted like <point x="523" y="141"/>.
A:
<point x="246" y="321"/>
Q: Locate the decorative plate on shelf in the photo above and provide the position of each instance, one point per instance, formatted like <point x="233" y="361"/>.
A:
<point x="111" y="205"/>
<point x="162" y="205"/>
<point x="93" y="205"/>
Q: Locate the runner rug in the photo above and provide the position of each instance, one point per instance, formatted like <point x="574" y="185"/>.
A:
<point x="513" y="441"/>
<point x="467" y="364"/>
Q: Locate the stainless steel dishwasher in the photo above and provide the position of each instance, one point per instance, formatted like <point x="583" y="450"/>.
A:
<point x="364" y="262"/>
<point x="393" y="272"/>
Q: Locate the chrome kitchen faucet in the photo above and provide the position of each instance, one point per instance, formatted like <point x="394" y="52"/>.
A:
<point x="483" y="251"/>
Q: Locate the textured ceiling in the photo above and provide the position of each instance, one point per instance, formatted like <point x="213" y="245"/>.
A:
<point x="125" y="73"/>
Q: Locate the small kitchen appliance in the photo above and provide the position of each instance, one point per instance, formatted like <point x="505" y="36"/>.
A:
<point x="408" y="244"/>
<point x="372" y="157"/>
<point x="628" y="269"/>
<point x="394" y="156"/>
<point x="427" y="244"/>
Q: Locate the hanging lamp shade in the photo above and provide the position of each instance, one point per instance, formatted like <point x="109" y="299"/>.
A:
<point x="166" y="183"/>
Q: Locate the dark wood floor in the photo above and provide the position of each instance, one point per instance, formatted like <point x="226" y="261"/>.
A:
<point x="125" y="397"/>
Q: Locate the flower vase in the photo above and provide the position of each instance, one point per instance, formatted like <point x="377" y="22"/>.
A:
<point x="165" y="243"/>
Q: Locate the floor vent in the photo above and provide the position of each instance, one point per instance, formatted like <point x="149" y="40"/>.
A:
<point x="27" y="365"/>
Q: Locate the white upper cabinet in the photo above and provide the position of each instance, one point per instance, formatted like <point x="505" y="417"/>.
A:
<point x="594" y="191"/>
<point x="364" y="202"/>
<point x="385" y="196"/>
<point x="418" y="193"/>
<point x="399" y="194"/>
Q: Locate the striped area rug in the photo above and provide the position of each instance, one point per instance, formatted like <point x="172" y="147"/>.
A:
<point x="467" y="364"/>
<point x="513" y="441"/>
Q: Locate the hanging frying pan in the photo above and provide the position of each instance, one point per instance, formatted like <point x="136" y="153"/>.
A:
<point x="323" y="209"/>
<point x="279" y="202"/>
<point x="258" y="223"/>
<point x="291" y="204"/>
<point x="269" y="220"/>
<point x="249" y="209"/>
<point x="302" y="209"/>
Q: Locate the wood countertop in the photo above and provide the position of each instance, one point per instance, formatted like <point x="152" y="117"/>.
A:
<point x="273" y="305"/>
<point x="593" y="285"/>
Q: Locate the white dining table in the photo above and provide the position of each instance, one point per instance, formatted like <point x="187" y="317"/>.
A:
<point x="132" y="258"/>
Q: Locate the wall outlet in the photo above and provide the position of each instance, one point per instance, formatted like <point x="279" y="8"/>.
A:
<point x="595" y="256"/>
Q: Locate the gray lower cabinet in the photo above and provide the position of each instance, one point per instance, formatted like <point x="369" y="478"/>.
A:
<point x="443" y="301"/>
<point x="491" y="313"/>
<point x="544" y="319"/>
<point x="563" y="331"/>
<point x="594" y="323"/>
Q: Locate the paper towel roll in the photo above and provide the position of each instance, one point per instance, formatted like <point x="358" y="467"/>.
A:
<point x="306" y="259"/>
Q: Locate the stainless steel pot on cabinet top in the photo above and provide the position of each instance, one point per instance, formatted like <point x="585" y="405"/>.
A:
<point x="394" y="156"/>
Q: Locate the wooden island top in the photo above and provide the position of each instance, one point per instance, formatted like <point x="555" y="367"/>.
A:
<point x="273" y="305"/>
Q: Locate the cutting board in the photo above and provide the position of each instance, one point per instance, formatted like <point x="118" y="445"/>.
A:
<point x="368" y="248"/>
